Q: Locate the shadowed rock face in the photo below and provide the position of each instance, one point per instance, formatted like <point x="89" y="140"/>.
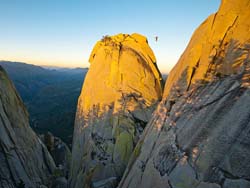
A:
<point x="119" y="94"/>
<point x="24" y="160"/>
<point x="59" y="151"/>
<point x="199" y="135"/>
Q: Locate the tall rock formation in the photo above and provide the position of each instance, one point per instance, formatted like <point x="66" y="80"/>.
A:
<point x="118" y="97"/>
<point x="24" y="160"/>
<point x="199" y="136"/>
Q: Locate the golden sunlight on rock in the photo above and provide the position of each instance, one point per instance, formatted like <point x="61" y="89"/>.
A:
<point x="120" y="92"/>
<point x="121" y="64"/>
<point x="218" y="48"/>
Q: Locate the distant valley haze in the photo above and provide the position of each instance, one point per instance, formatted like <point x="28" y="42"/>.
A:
<point x="50" y="95"/>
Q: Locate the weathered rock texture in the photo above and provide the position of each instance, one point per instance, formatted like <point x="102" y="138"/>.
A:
<point x="199" y="136"/>
<point x="59" y="151"/>
<point x="24" y="160"/>
<point x="119" y="94"/>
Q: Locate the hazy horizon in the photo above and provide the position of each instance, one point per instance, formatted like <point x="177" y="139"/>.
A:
<point x="44" y="65"/>
<point x="63" y="33"/>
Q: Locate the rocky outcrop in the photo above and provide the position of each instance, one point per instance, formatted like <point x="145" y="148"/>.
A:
<point x="119" y="94"/>
<point x="199" y="134"/>
<point x="59" y="151"/>
<point x="218" y="48"/>
<point x="24" y="160"/>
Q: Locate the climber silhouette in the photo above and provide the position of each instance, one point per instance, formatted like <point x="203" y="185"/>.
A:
<point x="156" y="38"/>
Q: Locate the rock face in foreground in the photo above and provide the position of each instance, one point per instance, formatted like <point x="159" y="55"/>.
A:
<point x="199" y="136"/>
<point x="24" y="160"/>
<point x="118" y="97"/>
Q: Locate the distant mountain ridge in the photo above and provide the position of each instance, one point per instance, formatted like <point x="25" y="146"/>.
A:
<point x="49" y="94"/>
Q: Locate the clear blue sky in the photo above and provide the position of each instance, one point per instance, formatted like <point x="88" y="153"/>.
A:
<point x="63" y="32"/>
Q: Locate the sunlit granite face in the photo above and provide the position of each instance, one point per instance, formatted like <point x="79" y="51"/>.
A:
<point x="120" y="91"/>
<point x="121" y="64"/>
<point x="219" y="47"/>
